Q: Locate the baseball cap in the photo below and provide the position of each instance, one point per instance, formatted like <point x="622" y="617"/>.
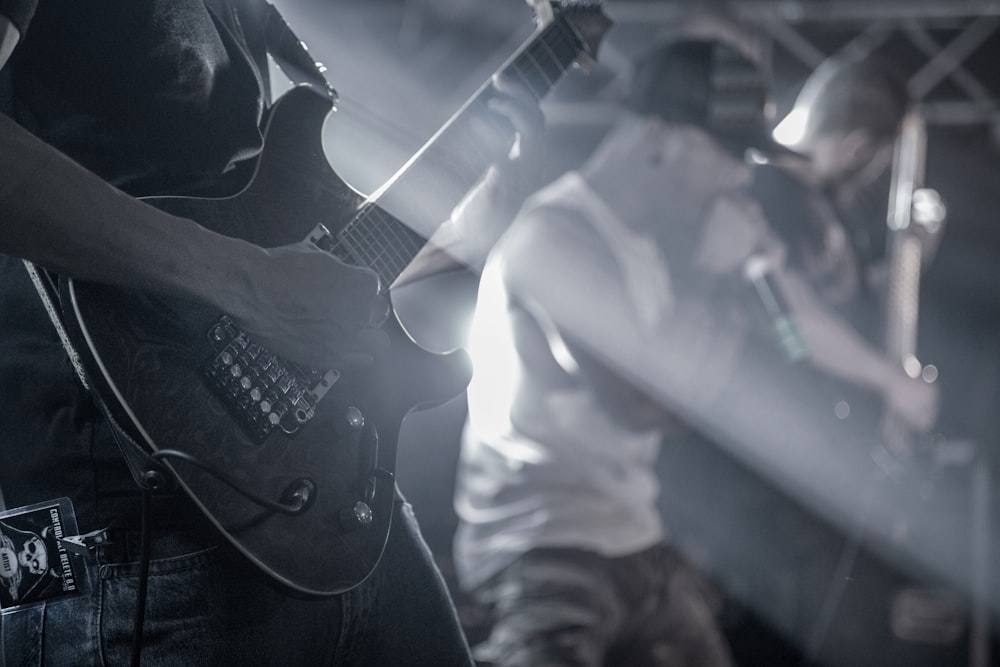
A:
<point x="708" y="84"/>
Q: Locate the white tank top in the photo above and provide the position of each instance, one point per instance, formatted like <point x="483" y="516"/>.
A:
<point x="568" y="475"/>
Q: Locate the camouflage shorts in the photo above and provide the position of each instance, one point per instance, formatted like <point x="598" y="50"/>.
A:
<point x="569" y="607"/>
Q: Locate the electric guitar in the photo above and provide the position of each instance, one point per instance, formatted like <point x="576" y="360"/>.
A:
<point x="295" y="466"/>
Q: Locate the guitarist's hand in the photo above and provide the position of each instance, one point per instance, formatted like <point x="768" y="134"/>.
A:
<point x="511" y="129"/>
<point x="518" y="109"/>
<point x="311" y="308"/>
<point x="516" y="124"/>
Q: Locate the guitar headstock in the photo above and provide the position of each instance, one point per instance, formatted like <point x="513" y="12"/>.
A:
<point x="586" y="17"/>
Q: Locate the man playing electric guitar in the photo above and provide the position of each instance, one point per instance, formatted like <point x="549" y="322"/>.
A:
<point x="155" y="97"/>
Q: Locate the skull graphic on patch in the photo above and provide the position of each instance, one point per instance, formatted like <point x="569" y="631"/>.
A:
<point x="34" y="566"/>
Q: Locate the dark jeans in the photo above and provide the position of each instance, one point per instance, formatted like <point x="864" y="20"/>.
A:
<point x="206" y="609"/>
<point x="568" y="607"/>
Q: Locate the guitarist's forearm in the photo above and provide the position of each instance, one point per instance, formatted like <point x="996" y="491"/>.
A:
<point x="63" y="217"/>
<point x="836" y="347"/>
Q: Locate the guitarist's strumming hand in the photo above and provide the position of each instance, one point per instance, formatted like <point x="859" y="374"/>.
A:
<point x="308" y="306"/>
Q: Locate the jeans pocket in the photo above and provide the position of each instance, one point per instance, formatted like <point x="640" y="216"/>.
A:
<point x="182" y="622"/>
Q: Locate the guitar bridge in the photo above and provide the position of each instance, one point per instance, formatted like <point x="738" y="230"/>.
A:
<point x="260" y="389"/>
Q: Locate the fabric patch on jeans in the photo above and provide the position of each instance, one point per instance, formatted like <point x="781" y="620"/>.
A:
<point x="35" y="567"/>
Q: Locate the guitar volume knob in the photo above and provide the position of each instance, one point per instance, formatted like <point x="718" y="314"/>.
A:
<point x="354" y="417"/>
<point x="357" y="516"/>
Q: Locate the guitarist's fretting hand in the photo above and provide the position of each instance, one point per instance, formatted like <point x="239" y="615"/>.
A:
<point x="513" y="130"/>
<point x="310" y="307"/>
<point x="515" y="104"/>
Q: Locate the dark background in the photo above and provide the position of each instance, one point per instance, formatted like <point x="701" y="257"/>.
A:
<point x="403" y="67"/>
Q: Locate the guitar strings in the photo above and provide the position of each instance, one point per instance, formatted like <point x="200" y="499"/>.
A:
<point x="381" y="241"/>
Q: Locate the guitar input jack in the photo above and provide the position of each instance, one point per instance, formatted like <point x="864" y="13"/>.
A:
<point x="299" y="495"/>
<point x="296" y="498"/>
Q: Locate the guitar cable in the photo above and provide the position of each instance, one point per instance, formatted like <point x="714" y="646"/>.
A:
<point x="145" y="532"/>
<point x="154" y="480"/>
<point x="297" y="500"/>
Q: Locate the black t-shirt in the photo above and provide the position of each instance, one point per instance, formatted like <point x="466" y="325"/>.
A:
<point x="156" y="96"/>
<point x="19" y="12"/>
<point x="153" y="95"/>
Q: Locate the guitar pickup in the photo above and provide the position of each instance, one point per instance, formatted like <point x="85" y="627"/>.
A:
<point x="261" y="390"/>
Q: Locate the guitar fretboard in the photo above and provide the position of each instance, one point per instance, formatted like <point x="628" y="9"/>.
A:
<point x="545" y="59"/>
<point x="379" y="241"/>
<point x="450" y="162"/>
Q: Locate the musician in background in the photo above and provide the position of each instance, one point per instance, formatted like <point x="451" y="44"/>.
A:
<point x="831" y="209"/>
<point x="154" y="97"/>
<point x="846" y="119"/>
<point x="559" y="537"/>
<point x="618" y="312"/>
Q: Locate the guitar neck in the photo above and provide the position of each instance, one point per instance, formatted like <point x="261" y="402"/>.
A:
<point x="904" y="246"/>
<point x="903" y="256"/>
<point x="426" y="189"/>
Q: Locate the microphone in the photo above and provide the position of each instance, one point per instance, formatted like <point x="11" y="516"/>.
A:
<point x="758" y="271"/>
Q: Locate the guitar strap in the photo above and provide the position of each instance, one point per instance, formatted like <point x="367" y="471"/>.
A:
<point x="138" y="460"/>
<point x="263" y="29"/>
<point x="291" y="55"/>
<point x="6" y="107"/>
<point x="45" y="285"/>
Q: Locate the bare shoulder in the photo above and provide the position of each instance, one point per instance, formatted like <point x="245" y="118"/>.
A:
<point x="550" y="231"/>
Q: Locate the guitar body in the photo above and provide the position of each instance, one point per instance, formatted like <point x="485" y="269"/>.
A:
<point x="294" y="466"/>
<point x="147" y="353"/>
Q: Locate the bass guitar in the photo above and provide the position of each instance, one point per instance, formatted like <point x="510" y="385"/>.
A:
<point x="295" y="466"/>
<point x="914" y="220"/>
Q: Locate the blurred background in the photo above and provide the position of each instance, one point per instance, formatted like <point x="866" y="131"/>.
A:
<point x="403" y="67"/>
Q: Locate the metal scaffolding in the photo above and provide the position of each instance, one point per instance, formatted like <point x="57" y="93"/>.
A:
<point x="945" y="45"/>
<point x="944" y="33"/>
